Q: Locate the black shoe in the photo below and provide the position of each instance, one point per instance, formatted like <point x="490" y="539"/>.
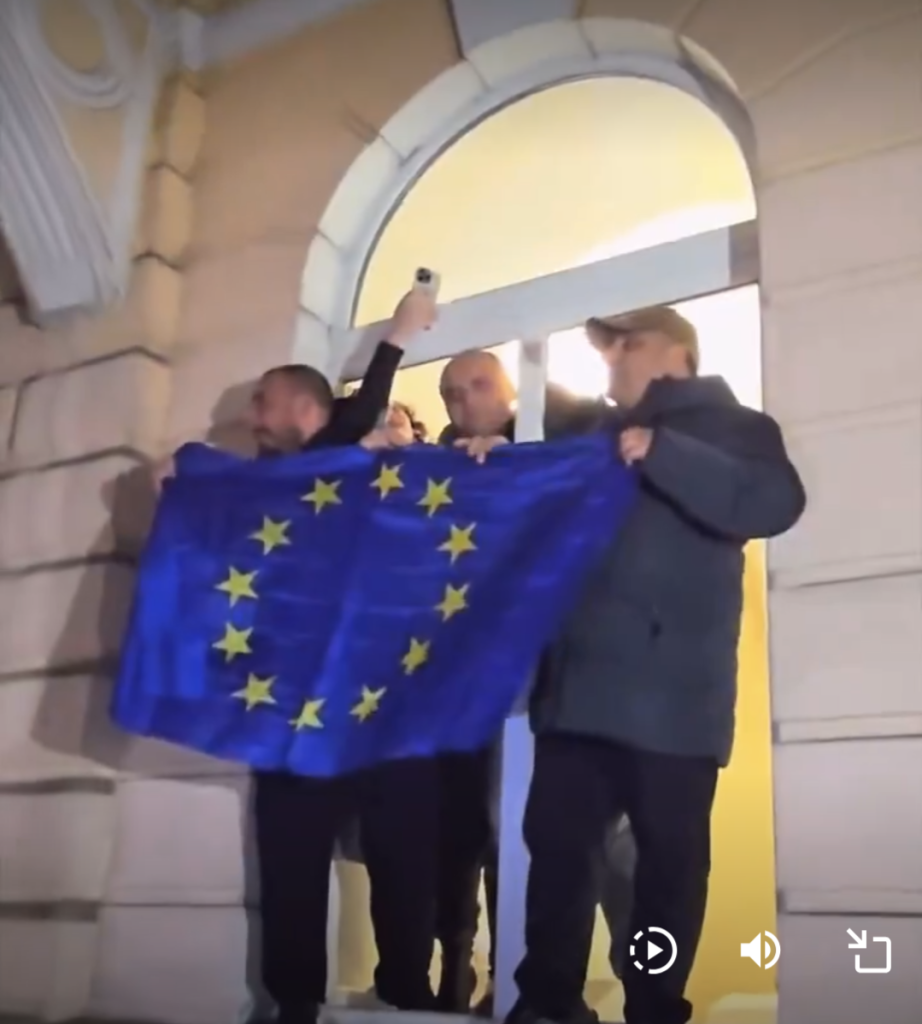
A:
<point x="521" y="1013"/>
<point x="302" y="1014"/>
<point x="484" y="1007"/>
<point x="456" y="987"/>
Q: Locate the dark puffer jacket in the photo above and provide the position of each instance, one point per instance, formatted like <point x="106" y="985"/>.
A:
<point x="649" y="657"/>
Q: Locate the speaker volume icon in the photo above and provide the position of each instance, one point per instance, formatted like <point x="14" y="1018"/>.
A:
<point x="754" y="950"/>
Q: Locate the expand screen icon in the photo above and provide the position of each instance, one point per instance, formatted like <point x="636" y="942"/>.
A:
<point x="754" y="950"/>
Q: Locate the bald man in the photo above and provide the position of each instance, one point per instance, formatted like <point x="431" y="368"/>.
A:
<point x="480" y="401"/>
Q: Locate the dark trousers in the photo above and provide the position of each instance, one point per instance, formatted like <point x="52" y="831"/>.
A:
<point x="297" y="823"/>
<point x="579" y="787"/>
<point x="619" y="859"/>
<point x="465" y="844"/>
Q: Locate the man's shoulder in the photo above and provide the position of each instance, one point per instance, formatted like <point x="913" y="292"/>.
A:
<point x="732" y="425"/>
<point x="566" y="415"/>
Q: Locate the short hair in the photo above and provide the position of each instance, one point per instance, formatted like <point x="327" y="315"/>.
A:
<point x="420" y="430"/>
<point x="307" y="380"/>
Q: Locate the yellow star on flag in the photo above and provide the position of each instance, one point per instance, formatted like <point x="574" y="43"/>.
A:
<point x="257" y="691"/>
<point x="309" y="717"/>
<point x="238" y="584"/>
<point x="454" y="601"/>
<point x="325" y="492"/>
<point x="460" y="542"/>
<point x="369" y="704"/>
<point x="436" y="496"/>
<point x="235" y="641"/>
<point x="388" y="480"/>
<point x="416" y="656"/>
<point x="272" y="534"/>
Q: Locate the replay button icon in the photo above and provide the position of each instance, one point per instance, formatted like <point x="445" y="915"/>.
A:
<point x="651" y="952"/>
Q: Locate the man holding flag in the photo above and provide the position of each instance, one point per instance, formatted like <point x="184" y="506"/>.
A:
<point x="298" y="818"/>
<point x="634" y="707"/>
<point x="480" y="402"/>
<point x="336" y="618"/>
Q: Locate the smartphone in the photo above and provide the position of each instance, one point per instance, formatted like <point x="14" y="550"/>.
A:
<point x="427" y="280"/>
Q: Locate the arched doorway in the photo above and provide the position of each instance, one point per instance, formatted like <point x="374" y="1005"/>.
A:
<point x="592" y="197"/>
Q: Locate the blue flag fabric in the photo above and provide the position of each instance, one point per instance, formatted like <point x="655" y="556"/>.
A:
<point x="324" y="612"/>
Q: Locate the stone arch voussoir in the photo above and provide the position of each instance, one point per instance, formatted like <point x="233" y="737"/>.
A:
<point x="493" y="75"/>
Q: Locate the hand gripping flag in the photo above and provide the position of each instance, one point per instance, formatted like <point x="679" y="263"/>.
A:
<point x="324" y="612"/>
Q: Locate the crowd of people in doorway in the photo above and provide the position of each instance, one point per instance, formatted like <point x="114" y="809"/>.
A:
<point x="632" y="710"/>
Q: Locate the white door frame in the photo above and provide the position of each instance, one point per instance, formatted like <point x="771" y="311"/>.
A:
<point x="530" y="312"/>
<point x="673" y="272"/>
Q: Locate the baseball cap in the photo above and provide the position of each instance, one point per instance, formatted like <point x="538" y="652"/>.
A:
<point x="604" y="331"/>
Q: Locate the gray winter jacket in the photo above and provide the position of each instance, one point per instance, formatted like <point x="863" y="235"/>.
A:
<point x="649" y="656"/>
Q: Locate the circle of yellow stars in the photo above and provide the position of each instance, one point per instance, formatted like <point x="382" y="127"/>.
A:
<point x="274" y="534"/>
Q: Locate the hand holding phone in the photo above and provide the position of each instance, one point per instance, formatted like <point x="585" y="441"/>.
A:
<point x="418" y="309"/>
<point x="427" y="280"/>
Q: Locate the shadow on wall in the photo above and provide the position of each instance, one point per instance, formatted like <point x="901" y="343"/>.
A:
<point x="74" y="720"/>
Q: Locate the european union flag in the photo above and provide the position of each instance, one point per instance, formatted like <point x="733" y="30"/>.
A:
<point x="327" y="611"/>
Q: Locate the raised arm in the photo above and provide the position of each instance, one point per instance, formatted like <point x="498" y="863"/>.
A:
<point x="358" y="415"/>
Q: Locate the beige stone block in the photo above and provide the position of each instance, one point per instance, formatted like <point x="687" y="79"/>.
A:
<point x="58" y="728"/>
<point x="147" y="318"/>
<point x="863" y="329"/>
<point x="434" y="105"/>
<point x="204" y="863"/>
<point x="761" y="44"/>
<point x="54" y="846"/>
<point x="364" y="182"/>
<point x="154" y="304"/>
<point x="863" y="476"/>
<point x="71" y="511"/>
<point x="62" y="617"/>
<point x="285" y="123"/>
<point x="153" y="758"/>
<point x="243" y="297"/>
<point x="239" y="319"/>
<point x="859" y="96"/>
<point x="873" y="791"/>
<point x="8" y="397"/>
<point x="27" y="352"/>
<point x="322" y="280"/>
<point x="186" y="965"/>
<point x="114" y="402"/>
<point x="515" y="53"/>
<point x="313" y="343"/>
<point x="211" y="393"/>
<point x="180" y="125"/>
<point x="669" y="13"/>
<point x="617" y="36"/>
<point x="856" y="215"/>
<point x="166" y="219"/>
<point x="46" y="968"/>
<point x="23" y="349"/>
<point x="827" y="642"/>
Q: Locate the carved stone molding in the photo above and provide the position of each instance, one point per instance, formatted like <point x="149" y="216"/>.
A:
<point x="73" y="247"/>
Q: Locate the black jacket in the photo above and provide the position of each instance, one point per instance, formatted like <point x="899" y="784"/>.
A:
<point x="354" y="417"/>
<point x="649" y="656"/>
<point x="564" y="415"/>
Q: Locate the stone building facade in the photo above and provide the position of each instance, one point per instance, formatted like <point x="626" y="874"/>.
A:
<point x="186" y="199"/>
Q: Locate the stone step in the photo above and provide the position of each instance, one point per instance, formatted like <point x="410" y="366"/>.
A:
<point x="735" y="1009"/>
<point x="384" y="1015"/>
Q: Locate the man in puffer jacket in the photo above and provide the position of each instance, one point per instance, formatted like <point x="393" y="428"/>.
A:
<point x="634" y="708"/>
